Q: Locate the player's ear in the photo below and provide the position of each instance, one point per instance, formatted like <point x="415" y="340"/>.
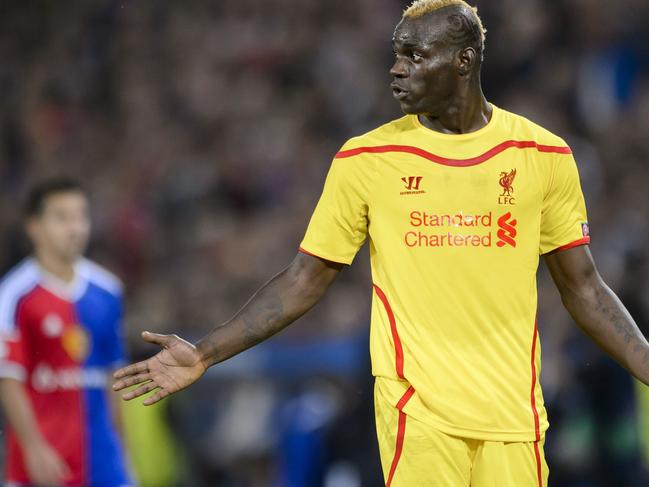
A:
<point x="466" y="60"/>
<point x="31" y="227"/>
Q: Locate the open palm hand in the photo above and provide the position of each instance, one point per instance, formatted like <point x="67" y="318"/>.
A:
<point x="175" y="367"/>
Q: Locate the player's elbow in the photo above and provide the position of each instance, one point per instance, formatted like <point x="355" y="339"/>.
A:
<point x="309" y="277"/>
<point x="584" y="291"/>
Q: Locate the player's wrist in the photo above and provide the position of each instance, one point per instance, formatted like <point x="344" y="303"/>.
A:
<point x="32" y="438"/>
<point x="206" y="354"/>
<point x="37" y="446"/>
<point x="637" y="363"/>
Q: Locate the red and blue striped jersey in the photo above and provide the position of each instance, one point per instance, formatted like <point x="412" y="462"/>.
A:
<point x="62" y="340"/>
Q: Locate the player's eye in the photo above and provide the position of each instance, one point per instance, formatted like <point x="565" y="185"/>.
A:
<point x="416" y="57"/>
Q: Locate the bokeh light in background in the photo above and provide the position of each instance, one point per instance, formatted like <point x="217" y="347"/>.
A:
<point x="203" y="131"/>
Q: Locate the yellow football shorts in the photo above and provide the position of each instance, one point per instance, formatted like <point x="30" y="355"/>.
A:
<point x="414" y="454"/>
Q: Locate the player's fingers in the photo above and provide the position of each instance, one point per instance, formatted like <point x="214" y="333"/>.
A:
<point x="161" y="394"/>
<point x="143" y="389"/>
<point x="63" y="470"/>
<point x="46" y="475"/>
<point x="53" y="469"/>
<point x="138" y="368"/>
<point x="45" y="479"/>
<point x="131" y="381"/>
<point x="162" y="340"/>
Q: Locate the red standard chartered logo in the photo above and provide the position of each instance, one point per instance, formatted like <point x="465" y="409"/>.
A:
<point x="507" y="230"/>
<point x="460" y="230"/>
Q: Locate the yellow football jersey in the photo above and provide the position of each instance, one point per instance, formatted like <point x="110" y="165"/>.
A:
<point x="456" y="224"/>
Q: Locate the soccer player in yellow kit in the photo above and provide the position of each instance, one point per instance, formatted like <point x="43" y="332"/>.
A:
<point x="458" y="199"/>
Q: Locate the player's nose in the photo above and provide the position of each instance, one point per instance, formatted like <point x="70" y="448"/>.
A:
<point x="398" y="69"/>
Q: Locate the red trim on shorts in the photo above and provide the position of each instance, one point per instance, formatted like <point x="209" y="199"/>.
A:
<point x="405" y="398"/>
<point x="576" y="243"/>
<point x="537" y="432"/>
<point x="401" y="433"/>
<point x="535" y="413"/>
<point x="537" y="454"/>
<point x="398" y="348"/>
<point x="518" y="144"/>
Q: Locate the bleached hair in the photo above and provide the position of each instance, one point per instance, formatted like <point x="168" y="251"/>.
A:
<point x="464" y="29"/>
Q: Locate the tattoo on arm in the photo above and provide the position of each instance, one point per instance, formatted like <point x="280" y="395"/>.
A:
<point x="610" y="311"/>
<point x="598" y="311"/>
<point x="261" y="319"/>
<point x="286" y="297"/>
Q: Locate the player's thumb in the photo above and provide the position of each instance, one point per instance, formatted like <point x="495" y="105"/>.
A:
<point x="66" y="473"/>
<point x="60" y="469"/>
<point x="162" y="340"/>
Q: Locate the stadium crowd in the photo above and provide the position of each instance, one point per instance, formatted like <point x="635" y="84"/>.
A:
<point x="203" y="132"/>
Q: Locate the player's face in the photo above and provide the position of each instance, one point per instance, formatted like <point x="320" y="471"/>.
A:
<point x="425" y="68"/>
<point x="63" y="227"/>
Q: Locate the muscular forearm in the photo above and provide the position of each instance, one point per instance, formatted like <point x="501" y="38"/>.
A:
<point x="19" y="412"/>
<point x="600" y="313"/>
<point x="281" y="301"/>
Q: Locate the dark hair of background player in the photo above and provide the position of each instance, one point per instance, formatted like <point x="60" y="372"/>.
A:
<point x="35" y="202"/>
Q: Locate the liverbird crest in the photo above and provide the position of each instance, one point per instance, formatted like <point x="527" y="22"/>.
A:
<point x="506" y="181"/>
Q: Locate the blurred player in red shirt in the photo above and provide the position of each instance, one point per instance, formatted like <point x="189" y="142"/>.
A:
<point x="60" y="319"/>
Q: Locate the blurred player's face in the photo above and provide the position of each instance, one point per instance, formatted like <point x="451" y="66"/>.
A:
<point x="425" y="70"/>
<point x="63" y="227"/>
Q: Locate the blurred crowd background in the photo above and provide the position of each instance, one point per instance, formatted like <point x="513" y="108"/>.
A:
<point x="203" y="132"/>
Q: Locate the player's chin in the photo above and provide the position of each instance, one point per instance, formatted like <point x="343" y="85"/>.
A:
<point x="409" y="107"/>
<point x="73" y="252"/>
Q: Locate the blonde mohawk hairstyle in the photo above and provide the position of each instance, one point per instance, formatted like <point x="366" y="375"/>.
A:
<point x="419" y="8"/>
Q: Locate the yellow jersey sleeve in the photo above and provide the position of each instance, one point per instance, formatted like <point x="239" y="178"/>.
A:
<point x="564" y="223"/>
<point x="338" y="227"/>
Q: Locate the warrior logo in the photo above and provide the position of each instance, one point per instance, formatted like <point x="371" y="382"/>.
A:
<point x="506" y="231"/>
<point x="411" y="183"/>
<point x="506" y="181"/>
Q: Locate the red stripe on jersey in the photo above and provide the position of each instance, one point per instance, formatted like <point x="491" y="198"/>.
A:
<point x="537" y="432"/>
<point x="576" y="243"/>
<point x="401" y="434"/>
<point x="553" y="148"/>
<point x="518" y="144"/>
<point x="539" y="472"/>
<point x="398" y="348"/>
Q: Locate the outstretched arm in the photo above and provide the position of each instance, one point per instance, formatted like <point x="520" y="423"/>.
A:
<point x="285" y="298"/>
<point x="597" y="310"/>
<point x="44" y="464"/>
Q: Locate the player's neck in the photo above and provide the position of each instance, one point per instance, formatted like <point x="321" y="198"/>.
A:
<point x="62" y="269"/>
<point x="464" y="113"/>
